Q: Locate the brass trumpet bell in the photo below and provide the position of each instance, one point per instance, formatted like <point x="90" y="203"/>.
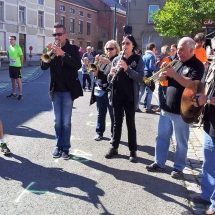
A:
<point x="48" y="56"/>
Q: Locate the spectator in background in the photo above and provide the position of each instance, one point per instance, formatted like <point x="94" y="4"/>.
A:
<point x="90" y="57"/>
<point x="86" y="76"/>
<point x="199" y="50"/>
<point x="93" y="52"/>
<point x="16" y="59"/>
<point x="164" y="59"/>
<point x="173" y="50"/>
<point x="149" y="67"/>
<point x="81" y="52"/>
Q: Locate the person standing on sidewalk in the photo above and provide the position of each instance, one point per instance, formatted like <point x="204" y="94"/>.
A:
<point x="3" y="145"/>
<point x="64" y="87"/>
<point x="16" y="59"/>
<point x="208" y="168"/>
<point x="187" y="69"/>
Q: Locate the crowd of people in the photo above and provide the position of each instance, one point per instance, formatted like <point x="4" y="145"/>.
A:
<point x="115" y="80"/>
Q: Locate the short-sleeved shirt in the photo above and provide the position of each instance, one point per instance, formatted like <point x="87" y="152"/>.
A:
<point x="194" y="69"/>
<point x="201" y="54"/>
<point x="14" y="55"/>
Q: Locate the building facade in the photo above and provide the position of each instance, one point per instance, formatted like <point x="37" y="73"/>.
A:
<point x="138" y="16"/>
<point x="31" y="21"/>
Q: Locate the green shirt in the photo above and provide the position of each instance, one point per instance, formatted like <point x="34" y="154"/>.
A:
<point x="14" y="55"/>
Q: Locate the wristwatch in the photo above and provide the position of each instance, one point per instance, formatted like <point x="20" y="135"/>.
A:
<point x="208" y="100"/>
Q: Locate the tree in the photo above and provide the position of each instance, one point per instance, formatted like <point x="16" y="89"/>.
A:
<point x="183" y="17"/>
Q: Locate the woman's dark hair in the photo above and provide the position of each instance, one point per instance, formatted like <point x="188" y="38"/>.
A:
<point x="150" y="46"/>
<point x="131" y="38"/>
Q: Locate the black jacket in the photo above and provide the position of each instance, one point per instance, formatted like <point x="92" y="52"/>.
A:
<point x="70" y="64"/>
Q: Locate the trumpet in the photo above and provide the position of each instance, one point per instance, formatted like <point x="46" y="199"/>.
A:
<point x="47" y="57"/>
<point x="155" y="77"/>
<point x="92" y="67"/>
<point x="110" y="86"/>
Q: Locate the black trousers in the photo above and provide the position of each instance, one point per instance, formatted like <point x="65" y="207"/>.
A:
<point x="119" y="106"/>
<point x="86" y="77"/>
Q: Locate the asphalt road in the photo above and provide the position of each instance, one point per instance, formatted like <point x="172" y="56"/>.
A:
<point x="32" y="182"/>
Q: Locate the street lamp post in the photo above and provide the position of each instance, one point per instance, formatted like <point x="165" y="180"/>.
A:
<point x="114" y="25"/>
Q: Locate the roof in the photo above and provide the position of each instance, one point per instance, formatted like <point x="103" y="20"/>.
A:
<point x="82" y="3"/>
<point x="111" y="4"/>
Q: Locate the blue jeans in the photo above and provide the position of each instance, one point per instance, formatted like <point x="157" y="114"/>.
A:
<point x="62" y="106"/>
<point x="208" y="170"/>
<point x="168" y="122"/>
<point x="102" y="106"/>
<point x="149" y="96"/>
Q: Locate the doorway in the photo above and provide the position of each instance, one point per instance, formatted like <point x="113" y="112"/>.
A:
<point x="22" y="43"/>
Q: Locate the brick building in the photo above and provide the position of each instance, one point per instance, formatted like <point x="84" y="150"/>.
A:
<point x="90" y="22"/>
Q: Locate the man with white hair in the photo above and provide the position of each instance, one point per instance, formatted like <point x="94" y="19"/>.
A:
<point x="179" y="76"/>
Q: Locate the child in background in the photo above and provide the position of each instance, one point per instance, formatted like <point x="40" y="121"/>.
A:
<point x="86" y="75"/>
<point x="3" y="145"/>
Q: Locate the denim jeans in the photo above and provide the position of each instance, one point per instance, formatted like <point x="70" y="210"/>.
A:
<point x="86" y="77"/>
<point x="208" y="170"/>
<point x="168" y="122"/>
<point x="149" y="96"/>
<point x="102" y="106"/>
<point x="62" y="106"/>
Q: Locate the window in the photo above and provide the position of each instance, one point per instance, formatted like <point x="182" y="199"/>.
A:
<point x="22" y="15"/>
<point x="80" y="27"/>
<point x="88" y="28"/>
<point x="88" y="15"/>
<point x="40" y="19"/>
<point x="72" y="42"/>
<point x="72" y="25"/>
<point x="62" y="20"/>
<point x="152" y="9"/>
<point x="88" y="43"/>
<point x="62" y="7"/>
<point x="72" y="10"/>
<point x="41" y="2"/>
<point x="80" y="13"/>
<point x="1" y="11"/>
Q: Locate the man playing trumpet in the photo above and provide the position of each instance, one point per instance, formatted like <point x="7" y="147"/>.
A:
<point x="189" y="68"/>
<point x="64" y="87"/>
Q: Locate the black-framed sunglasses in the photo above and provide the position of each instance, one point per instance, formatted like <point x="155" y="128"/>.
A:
<point x="111" y="49"/>
<point x="58" y="34"/>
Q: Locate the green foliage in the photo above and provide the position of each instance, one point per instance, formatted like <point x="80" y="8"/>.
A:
<point x="182" y="17"/>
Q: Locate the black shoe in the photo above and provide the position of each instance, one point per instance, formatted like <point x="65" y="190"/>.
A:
<point x="138" y="110"/>
<point x="133" y="157"/>
<point x="57" y="153"/>
<point x="12" y="96"/>
<point x="66" y="155"/>
<point x="20" y="97"/>
<point x="111" y="153"/>
<point x="154" y="167"/>
<point x="199" y="200"/>
<point x="176" y="173"/>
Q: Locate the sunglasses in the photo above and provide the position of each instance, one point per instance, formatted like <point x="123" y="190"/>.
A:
<point x="57" y="34"/>
<point x="127" y="44"/>
<point x="111" y="49"/>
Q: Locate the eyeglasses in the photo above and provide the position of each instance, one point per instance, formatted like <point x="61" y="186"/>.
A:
<point x="127" y="44"/>
<point x="58" y="34"/>
<point x="111" y="49"/>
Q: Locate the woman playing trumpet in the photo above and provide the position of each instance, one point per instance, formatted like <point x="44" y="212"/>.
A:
<point x="99" y="93"/>
<point x="125" y="94"/>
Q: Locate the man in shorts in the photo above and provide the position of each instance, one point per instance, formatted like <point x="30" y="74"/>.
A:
<point x="15" y="56"/>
